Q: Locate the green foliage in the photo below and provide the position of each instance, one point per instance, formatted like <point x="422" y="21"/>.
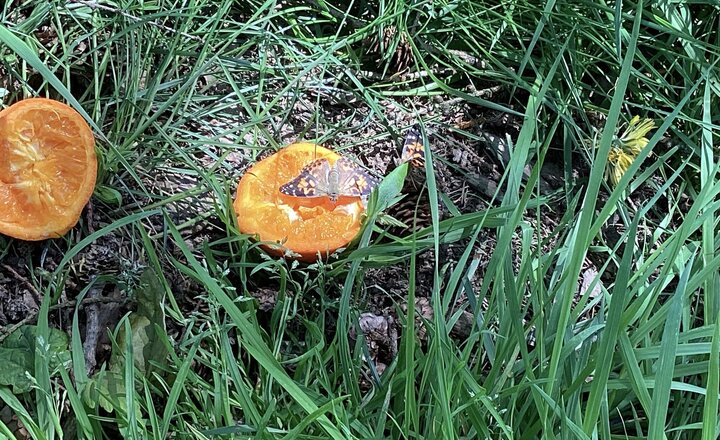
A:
<point x="17" y="353"/>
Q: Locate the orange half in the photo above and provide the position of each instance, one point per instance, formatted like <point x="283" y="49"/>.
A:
<point x="305" y="226"/>
<point x="48" y="168"/>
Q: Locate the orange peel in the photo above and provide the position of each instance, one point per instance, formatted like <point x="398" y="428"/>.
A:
<point x="307" y="227"/>
<point x="48" y="168"/>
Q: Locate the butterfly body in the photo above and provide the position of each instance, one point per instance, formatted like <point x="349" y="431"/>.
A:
<point x="320" y="179"/>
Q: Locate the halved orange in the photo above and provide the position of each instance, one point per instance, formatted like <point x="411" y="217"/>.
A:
<point x="305" y="226"/>
<point x="47" y="168"/>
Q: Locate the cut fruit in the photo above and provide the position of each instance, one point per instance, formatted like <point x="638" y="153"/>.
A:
<point x="48" y="168"/>
<point x="305" y="226"/>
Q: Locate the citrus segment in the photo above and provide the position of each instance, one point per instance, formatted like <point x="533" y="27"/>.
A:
<point x="47" y="168"/>
<point x="303" y="225"/>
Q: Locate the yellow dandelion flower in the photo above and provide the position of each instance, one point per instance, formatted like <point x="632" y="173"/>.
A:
<point x="626" y="147"/>
<point x="618" y="163"/>
<point x="633" y="139"/>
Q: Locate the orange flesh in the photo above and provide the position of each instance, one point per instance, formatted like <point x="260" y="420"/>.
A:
<point x="47" y="168"/>
<point x="306" y="225"/>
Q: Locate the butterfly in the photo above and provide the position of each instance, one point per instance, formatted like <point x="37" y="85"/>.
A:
<point x="413" y="150"/>
<point x="320" y="179"/>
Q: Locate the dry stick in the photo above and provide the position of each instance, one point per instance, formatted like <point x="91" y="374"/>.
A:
<point x="92" y="329"/>
<point x="28" y="284"/>
<point x="8" y="330"/>
<point x="89" y="213"/>
<point x="482" y="94"/>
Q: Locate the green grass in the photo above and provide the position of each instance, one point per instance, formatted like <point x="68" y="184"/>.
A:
<point x="202" y="89"/>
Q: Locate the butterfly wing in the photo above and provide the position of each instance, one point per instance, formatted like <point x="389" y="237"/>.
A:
<point x="413" y="149"/>
<point x="311" y="182"/>
<point x="353" y="181"/>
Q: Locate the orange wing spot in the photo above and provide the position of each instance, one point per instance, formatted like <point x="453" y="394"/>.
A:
<point x="362" y="183"/>
<point x="415" y="154"/>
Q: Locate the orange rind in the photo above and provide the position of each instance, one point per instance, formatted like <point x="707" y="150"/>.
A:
<point x="48" y="168"/>
<point x="304" y="226"/>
